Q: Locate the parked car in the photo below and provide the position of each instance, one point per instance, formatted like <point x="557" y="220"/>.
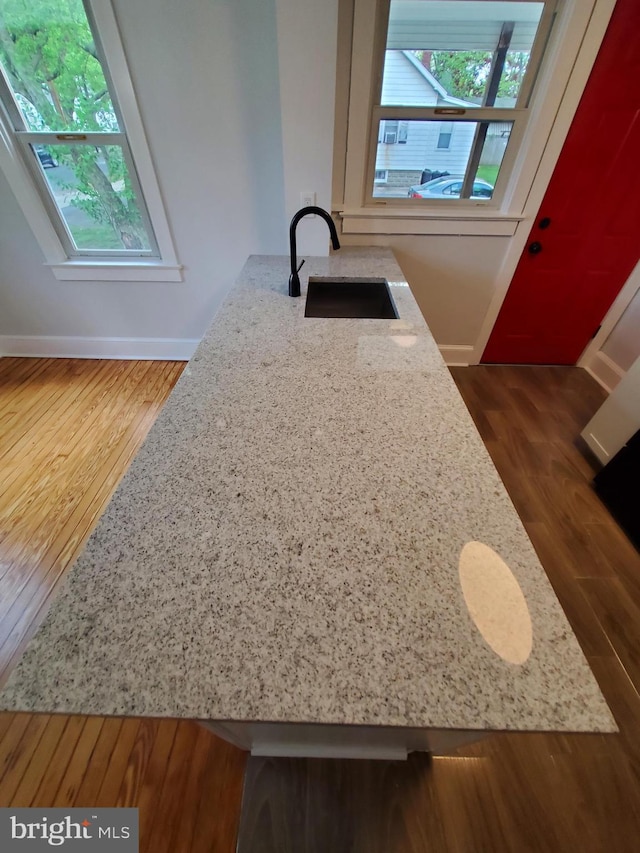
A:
<point x="45" y="157"/>
<point x="450" y="187"/>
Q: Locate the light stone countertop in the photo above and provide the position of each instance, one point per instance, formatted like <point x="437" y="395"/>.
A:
<point x="285" y="545"/>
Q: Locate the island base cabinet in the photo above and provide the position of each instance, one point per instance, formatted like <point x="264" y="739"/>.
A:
<point x="308" y="740"/>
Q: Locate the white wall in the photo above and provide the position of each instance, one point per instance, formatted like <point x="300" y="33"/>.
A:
<point x="617" y="345"/>
<point x="225" y="88"/>
<point x="623" y="344"/>
<point x="617" y="419"/>
<point x="307" y="37"/>
<point x="452" y="278"/>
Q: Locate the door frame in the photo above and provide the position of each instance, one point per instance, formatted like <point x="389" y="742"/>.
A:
<point x="594" y="34"/>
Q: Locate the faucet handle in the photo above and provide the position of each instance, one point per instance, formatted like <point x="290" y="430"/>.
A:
<point x="301" y="265"/>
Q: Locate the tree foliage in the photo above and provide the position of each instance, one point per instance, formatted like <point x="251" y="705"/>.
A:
<point x="48" y="53"/>
<point x="464" y="73"/>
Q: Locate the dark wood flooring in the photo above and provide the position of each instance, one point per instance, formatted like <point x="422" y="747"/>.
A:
<point x="552" y="794"/>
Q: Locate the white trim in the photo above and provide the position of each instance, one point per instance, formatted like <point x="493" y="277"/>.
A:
<point x="604" y="370"/>
<point x="618" y="417"/>
<point x="360" y="97"/>
<point x="380" y="222"/>
<point x="24" y="188"/>
<point x="600" y="452"/>
<point x="540" y="171"/>
<point x="451" y="210"/>
<point x="619" y="306"/>
<point x="107" y="26"/>
<point x="74" y="270"/>
<point x="323" y="740"/>
<point x="456" y="356"/>
<point x="148" y="349"/>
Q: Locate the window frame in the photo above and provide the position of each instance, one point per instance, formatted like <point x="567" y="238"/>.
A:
<point x="17" y="162"/>
<point x="573" y="46"/>
<point x="518" y="115"/>
<point x="569" y="56"/>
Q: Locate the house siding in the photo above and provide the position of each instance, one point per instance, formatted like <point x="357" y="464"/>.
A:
<point x="404" y="84"/>
<point x="421" y="152"/>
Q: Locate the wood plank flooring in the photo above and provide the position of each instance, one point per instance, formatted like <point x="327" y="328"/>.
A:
<point x="68" y="431"/>
<point x="510" y="792"/>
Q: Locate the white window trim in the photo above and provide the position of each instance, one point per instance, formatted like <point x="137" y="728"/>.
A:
<point x="167" y="267"/>
<point x="573" y="18"/>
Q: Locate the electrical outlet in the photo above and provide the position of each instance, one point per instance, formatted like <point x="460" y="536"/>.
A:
<point x="308" y="199"/>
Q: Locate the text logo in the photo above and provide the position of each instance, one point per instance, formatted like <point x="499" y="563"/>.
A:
<point x="79" y="830"/>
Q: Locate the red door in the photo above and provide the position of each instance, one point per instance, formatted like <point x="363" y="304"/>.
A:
<point x="586" y="239"/>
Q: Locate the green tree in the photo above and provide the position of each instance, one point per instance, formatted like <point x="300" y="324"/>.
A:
<point x="464" y="73"/>
<point x="50" y="59"/>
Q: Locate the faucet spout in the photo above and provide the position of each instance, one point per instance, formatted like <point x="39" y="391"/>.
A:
<point x="294" y="278"/>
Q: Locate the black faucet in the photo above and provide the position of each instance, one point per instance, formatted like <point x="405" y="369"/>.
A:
<point x="294" y="279"/>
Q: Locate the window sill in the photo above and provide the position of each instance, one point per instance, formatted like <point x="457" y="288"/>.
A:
<point x="83" y="270"/>
<point x="399" y="220"/>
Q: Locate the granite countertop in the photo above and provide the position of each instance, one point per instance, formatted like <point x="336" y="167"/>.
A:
<point x="285" y="545"/>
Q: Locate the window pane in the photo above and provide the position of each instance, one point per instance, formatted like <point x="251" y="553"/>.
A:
<point x="49" y="58"/>
<point x="460" y="52"/>
<point x="92" y="190"/>
<point x="424" y="158"/>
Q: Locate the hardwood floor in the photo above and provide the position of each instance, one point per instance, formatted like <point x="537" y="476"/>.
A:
<point x="509" y="792"/>
<point x="68" y="430"/>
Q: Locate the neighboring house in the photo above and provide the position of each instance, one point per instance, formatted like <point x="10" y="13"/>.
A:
<point x="406" y="149"/>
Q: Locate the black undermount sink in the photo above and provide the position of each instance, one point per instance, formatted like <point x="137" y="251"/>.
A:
<point x="364" y="298"/>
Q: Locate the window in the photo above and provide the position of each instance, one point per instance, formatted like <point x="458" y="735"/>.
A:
<point x="60" y="113"/>
<point x="458" y="75"/>
<point x="444" y="134"/>
<point x="388" y="132"/>
<point x="392" y="132"/>
<point x="380" y="176"/>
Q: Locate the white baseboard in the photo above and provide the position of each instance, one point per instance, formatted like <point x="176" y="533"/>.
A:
<point x="605" y="371"/>
<point x="151" y="349"/>
<point x="456" y="356"/>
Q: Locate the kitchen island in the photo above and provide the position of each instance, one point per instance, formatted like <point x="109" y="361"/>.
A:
<point x="282" y="559"/>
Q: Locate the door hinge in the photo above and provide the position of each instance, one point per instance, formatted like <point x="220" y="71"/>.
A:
<point x="596" y="332"/>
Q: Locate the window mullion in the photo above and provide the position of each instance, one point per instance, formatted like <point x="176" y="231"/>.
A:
<point x="475" y="154"/>
<point x="137" y="189"/>
<point x="489" y="99"/>
<point x="439" y="113"/>
<point x="6" y="98"/>
<point x="48" y="138"/>
<point x="46" y="194"/>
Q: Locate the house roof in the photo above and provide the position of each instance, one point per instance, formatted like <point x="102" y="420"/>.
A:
<point x="431" y="80"/>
